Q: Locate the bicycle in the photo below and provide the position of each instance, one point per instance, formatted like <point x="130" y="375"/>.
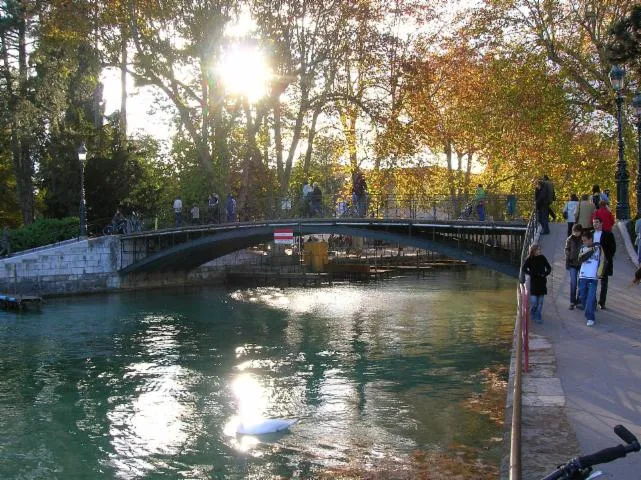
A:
<point x="112" y="229"/>
<point x="580" y="468"/>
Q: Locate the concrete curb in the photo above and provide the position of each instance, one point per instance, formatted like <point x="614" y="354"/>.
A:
<point x="547" y="439"/>
<point x="629" y="247"/>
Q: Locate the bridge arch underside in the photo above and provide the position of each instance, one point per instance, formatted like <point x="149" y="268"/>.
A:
<point x="494" y="249"/>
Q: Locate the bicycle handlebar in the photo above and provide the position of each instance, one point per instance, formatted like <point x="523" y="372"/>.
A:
<point x="625" y="434"/>
<point x="606" y="455"/>
<point x="603" y="456"/>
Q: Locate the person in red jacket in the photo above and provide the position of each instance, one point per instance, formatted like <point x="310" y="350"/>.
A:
<point x="605" y="215"/>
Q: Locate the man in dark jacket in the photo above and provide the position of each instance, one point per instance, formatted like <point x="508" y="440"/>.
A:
<point x="542" y="200"/>
<point x="5" y="242"/>
<point x="230" y="208"/>
<point x="572" y="247"/>
<point x="609" y="246"/>
<point x="549" y="186"/>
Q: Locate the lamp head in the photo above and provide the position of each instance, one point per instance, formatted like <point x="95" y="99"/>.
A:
<point x="82" y="153"/>
<point x="617" y="74"/>
<point x="636" y="103"/>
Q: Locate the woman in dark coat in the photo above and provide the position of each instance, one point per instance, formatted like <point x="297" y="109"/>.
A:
<point x="538" y="268"/>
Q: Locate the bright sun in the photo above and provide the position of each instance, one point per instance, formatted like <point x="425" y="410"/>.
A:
<point x="245" y="71"/>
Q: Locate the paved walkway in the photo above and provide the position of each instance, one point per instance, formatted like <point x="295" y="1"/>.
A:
<point x="599" y="367"/>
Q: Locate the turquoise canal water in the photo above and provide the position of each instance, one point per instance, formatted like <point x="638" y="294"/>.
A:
<point x="385" y="378"/>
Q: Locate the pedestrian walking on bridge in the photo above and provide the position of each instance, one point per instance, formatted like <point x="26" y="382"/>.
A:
<point x="572" y="247"/>
<point x="5" y="242"/>
<point x="584" y="211"/>
<point x="538" y="268"/>
<point x="230" y="207"/>
<point x="195" y="215"/>
<point x="569" y="212"/>
<point x="592" y="260"/>
<point x="213" y="208"/>
<point x="609" y="246"/>
<point x="178" y="211"/>
<point x="542" y="201"/>
<point x="479" y="199"/>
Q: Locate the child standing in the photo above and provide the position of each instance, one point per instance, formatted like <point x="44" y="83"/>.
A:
<point x="592" y="260"/>
<point x="538" y="268"/>
<point x="572" y="248"/>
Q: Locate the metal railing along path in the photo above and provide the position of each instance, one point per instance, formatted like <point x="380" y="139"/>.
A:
<point x="497" y="207"/>
<point x="522" y="353"/>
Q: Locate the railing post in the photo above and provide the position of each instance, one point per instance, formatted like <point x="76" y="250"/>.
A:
<point x="515" y="429"/>
<point x="522" y="352"/>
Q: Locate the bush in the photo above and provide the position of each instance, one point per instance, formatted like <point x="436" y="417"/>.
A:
<point x="44" y="231"/>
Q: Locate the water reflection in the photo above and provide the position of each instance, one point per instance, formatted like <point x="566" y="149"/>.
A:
<point x="149" y="384"/>
<point x="153" y="420"/>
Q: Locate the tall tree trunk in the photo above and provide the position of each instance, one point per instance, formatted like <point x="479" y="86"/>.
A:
<point x="204" y="92"/>
<point x="310" y="142"/>
<point x="219" y="131"/>
<point x="468" y="173"/>
<point x="252" y="156"/>
<point x="450" y="173"/>
<point x="278" y="144"/>
<point x="20" y="148"/>
<point x="23" y="168"/>
<point x="122" y="119"/>
<point x="348" y="121"/>
<point x="266" y="143"/>
<point x="298" y="127"/>
<point x="459" y="171"/>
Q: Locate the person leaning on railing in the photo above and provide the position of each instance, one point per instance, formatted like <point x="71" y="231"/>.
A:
<point x="479" y="199"/>
<point x="5" y="242"/>
<point x="118" y="222"/>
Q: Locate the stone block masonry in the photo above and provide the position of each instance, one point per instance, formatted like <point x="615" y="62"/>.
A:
<point x="85" y="266"/>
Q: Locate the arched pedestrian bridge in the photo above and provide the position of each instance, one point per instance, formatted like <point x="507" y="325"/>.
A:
<point x="495" y="245"/>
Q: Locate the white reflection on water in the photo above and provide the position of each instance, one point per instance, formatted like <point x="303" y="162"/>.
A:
<point x="150" y="421"/>
<point x="252" y="402"/>
<point x="337" y="301"/>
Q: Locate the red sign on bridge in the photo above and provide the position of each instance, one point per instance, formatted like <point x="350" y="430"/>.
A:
<point x="284" y="236"/>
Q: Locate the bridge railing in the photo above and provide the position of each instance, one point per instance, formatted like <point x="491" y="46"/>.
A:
<point x="521" y="355"/>
<point x="497" y="207"/>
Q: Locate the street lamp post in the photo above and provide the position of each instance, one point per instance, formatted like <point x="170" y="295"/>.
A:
<point x="617" y="74"/>
<point x="82" y="157"/>
<point x="636" y="103"/>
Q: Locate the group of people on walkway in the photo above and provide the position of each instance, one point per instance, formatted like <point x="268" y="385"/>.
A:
<point x="311" y="200"/>
<point x="214" y="212"/>
<point x="589" y="259"/>
<point x="589" y="251"/>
